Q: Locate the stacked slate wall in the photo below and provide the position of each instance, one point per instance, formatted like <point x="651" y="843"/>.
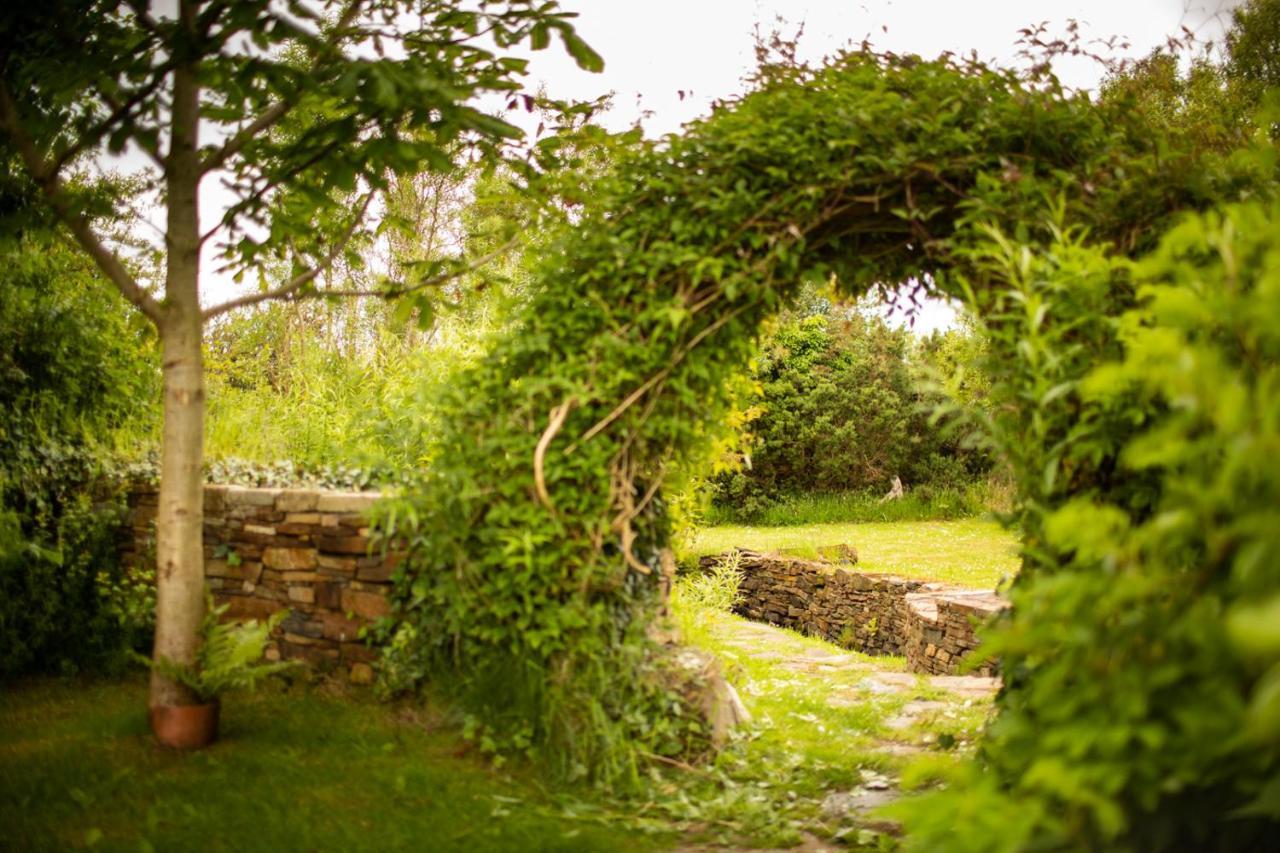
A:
<point x="930" y="624"/>
<point x="306" y="551"/>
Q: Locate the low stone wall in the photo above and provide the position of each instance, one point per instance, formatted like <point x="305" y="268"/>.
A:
<point x="302" y="550"/>
<point x="930" y="624"/>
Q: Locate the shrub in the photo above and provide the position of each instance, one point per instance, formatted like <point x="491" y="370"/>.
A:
<point x="841" y="409"/>
<point x="67" y="391"/>
<point x="1140" y="659"/>
<point x="538" y="537"/>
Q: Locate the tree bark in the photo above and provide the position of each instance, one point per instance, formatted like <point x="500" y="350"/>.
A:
<point x="180" y="521"/>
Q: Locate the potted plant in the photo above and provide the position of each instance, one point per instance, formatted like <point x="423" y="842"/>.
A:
<point x="230" y="656"/>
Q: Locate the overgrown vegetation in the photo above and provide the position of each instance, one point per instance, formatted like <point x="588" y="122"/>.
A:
<point x="1140" y="667"/>
<point x="68" y="391"/>
<point x="537" y="539"/>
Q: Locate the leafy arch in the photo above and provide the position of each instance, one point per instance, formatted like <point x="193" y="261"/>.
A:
<point x="537" y="538"/>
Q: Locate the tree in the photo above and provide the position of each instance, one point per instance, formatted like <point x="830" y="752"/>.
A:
<point x="303" y="111"/>
<point x="1253" y="46"/>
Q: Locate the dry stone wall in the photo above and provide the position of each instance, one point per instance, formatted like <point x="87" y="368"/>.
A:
<point x="306" y="551"/>
<point x="930" y="624"/>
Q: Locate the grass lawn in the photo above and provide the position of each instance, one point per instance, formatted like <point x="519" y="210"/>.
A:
<point x="971" y="552"/>
<point x="295" y="770"/>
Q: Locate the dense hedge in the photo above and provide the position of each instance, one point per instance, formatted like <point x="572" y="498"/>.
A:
<point x="67" y="387"/>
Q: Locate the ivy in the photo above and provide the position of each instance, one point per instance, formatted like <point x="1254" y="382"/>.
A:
<point x="538" y="537"/>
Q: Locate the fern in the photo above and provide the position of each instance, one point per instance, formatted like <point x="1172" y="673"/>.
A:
<point x="229" y="657"/>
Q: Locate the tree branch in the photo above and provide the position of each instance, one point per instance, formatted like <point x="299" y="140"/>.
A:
<point x="274" y="113"/>
<point x="291" y="288"/>
<point x="118" y="112"/>
<point x="77" y="222"/>
<point x="434" y="281"/>
<point x="149" y="149"/>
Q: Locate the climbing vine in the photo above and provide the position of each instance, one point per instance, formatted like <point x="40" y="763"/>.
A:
<point x="537" y="538"/>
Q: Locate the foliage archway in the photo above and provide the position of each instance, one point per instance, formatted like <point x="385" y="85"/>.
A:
<point x="538" y="536"/>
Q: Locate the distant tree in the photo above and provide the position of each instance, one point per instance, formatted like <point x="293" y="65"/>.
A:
<point x="305" y="111"/>
<point x="1253" y="45"/>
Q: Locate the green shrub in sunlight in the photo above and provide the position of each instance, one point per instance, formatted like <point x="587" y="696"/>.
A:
<point x="715" y="589"/>
<point x="333" y="386"/>
<point x="1142" y="656"/>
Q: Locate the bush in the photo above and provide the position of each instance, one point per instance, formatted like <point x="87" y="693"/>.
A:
<point x="841" y="408"/>
<point x="67" y="391"/>
<point x="1142" y="654"/>
<point x="537" y="539"/>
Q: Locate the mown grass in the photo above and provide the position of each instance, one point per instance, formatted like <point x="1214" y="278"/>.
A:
<point x="970" y="552"/>
<point x="294" y="770"/>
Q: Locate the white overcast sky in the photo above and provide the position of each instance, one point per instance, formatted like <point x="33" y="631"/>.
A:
<point x="654" y="49"/>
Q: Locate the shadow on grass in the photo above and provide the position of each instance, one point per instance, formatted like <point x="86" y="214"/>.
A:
<point x="294" y="770"/>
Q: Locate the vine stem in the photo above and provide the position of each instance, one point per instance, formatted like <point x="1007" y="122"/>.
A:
<point x="555" y="420"/>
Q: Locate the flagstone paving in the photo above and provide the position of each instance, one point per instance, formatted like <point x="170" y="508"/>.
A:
<point x="905" y="714"/>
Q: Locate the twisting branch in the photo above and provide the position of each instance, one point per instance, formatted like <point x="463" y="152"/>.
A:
<point x="245" y="135"/>
<point x="291" y="288"/>
<point x="118" y="111"/>
<point x="77" y="222"/>
<point x="653" y="380"/>
<point x="555" y="421"/>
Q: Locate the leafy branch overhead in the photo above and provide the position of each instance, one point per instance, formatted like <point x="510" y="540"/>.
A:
<point x="303" y="109"/>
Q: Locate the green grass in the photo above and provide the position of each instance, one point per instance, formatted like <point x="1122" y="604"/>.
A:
<point x="851" y="507"/>
<point x="970" y="552"/>
<point x="295" y="770"/>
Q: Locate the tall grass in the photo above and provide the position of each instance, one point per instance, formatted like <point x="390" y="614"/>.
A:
<point x="847" y="508"/>
<point x="699" y="594"/>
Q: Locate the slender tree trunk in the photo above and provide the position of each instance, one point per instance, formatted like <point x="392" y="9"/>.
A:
<point x="180" y="522"/>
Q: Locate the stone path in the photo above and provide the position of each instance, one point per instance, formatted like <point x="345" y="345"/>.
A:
<point x="916" y="703"/>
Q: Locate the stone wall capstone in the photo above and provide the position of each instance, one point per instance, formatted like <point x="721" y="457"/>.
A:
<point x="930" y="624"/>
<point x="306" y="551"/>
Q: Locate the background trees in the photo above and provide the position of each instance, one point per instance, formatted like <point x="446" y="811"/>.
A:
<point x="302" y="112"/>
<point x="842" y="405"/>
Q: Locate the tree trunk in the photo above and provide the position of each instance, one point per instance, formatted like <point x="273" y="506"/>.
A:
<point x="180" y="521"/>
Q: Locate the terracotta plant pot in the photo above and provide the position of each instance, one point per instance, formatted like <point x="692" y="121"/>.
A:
<point x="185" y="726"/>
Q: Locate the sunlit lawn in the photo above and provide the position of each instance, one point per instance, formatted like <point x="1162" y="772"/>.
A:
<point x="295" y="770"/>
<point x="970" y="552"/>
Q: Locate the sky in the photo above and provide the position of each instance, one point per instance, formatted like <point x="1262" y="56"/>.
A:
<point x="657" y="49"/>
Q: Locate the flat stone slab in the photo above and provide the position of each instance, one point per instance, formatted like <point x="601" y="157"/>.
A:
<point x="847" y="804"/>
<point x="912" y="712"/>
<point x="973" y="686"/>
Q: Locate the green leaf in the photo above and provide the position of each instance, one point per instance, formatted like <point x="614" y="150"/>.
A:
<point x="587" y="59"/>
